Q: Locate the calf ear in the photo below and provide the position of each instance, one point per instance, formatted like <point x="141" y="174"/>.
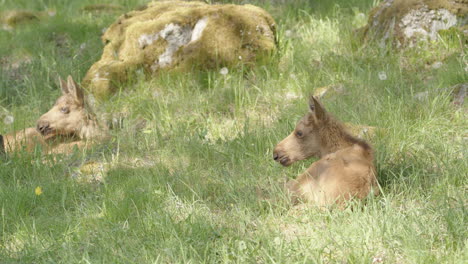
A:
<point x="75" y="90"/>
<point x="63" y="86"/>
<point x="317" y="109"/>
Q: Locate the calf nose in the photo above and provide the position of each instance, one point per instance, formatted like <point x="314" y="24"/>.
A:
<point x="42" y="125"/>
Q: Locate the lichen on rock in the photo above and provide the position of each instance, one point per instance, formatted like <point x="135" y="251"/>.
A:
<point x="406" y="22"/>
<point x="180" y="36"/>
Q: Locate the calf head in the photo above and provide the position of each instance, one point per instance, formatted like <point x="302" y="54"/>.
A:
<point x="305" y="141"/>
<point x="68" y="114"/>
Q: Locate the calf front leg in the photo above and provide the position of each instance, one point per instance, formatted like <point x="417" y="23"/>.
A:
<point x="292" y="188"/>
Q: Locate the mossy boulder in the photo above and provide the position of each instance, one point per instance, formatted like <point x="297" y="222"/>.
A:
<point x="97" y="8"/>
<point x="12" y="18"/>
<point x="180" y="36"/>
<point x="406" y="22"/>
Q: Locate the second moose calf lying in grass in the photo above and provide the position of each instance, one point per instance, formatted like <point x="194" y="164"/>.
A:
<point x="68" y="124"/>
<point x="345" y="169"/>
<point x="72" y="117"/>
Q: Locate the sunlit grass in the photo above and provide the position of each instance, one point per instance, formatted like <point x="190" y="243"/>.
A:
<point x="198" y="184"/>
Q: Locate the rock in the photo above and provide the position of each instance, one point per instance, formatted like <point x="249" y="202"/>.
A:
<point x="459" y="93"/>
<point x="12" y="18"/>
<point x="97" y="8"/>
<point x="91" y="172"/>
<point x="180" y="36"/>
<point x="15" y="66"/>
<point x="15" y="61"/>
<point x="406" y="22"/>
<point x="422" y="96"/>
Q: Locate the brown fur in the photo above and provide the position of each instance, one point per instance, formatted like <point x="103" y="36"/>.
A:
<point x="29" y="139"/>
<point x="67" y="125"/>
<point x="71" y="116"/>
<point x="345" y="169"/>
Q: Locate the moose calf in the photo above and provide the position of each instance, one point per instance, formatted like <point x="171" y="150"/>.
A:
<point x="345" y="169"/>
<point x="68" y="124"/>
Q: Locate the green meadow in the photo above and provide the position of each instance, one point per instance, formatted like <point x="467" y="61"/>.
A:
<point x="198" y="184"/>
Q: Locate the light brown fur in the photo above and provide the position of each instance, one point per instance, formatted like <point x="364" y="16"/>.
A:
<point x="71" y="116"/>
<point x="345" y="169"/>
<point x="67" y="125"/>
<point x="29" y="139"/>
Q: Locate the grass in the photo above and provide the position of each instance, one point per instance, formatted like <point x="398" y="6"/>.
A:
<point x="199" y="185"/>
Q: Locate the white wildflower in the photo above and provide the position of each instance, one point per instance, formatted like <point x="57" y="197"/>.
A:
<point x="288" y="33"/>
<point x="361" y="16"/>
<point x="359" y="20"/>
<point x="277" y="241"/>
<point x="382" y="76"/>
<point x="8" y="120"/>
<point x="377" y="260"/>
<point x="242" y="246"/>
<point x="292" y="96"/>
<point x="224" y="71"/>
<point x="437" y="65"/>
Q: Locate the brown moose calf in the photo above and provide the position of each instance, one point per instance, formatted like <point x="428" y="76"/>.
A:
<point x="70" y="123"/>
<point x="345" y="169"/>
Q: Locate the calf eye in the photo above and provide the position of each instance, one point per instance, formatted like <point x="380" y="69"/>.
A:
<point x="64" y="110"/>
<point x="299" y="134"/>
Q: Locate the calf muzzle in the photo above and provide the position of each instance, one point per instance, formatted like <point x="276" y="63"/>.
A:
<point x="43" y="127"/>
<point x="280" y="157"/>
